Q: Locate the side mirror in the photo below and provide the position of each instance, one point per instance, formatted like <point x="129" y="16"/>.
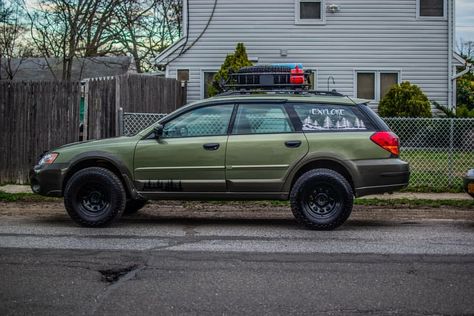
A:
<point x="158" y="130"/>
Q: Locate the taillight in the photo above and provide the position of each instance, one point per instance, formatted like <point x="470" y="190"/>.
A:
<point x="297" y="75"/>
<point x="388" y="141"/>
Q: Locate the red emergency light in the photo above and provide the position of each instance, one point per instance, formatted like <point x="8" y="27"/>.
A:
<point x="297" y="76"/>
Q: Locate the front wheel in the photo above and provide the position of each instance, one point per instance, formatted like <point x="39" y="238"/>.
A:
<point x="321" y="199"/>
<point x="94" y="197"/>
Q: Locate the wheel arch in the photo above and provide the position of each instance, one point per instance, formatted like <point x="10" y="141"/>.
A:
<point x="318" y="163"/>
<point x="109" y="163"/>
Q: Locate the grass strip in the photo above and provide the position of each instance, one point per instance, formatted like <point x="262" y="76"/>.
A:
<point x="25" y="197"/>
<point x="399" y="202"/>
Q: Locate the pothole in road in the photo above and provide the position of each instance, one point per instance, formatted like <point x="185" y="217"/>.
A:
<point x="114" y="274"/>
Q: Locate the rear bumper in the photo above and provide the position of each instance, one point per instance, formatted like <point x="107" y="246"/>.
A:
<point x="47" y="180"/>
<point x="381" y="176"/>
<point x="468" y="183"/>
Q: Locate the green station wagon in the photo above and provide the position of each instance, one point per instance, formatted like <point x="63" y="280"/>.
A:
<point x="318" y="150"/>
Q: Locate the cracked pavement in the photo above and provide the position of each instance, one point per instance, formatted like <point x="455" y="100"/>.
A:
<point x="207" y="259"/>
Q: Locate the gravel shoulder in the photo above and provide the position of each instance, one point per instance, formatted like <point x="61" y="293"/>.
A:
<point x="240" y="210"/>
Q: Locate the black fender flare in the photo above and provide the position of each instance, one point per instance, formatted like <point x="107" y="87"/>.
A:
<point x="124" y="173"/>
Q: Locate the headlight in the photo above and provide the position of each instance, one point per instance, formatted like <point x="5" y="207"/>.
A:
<point x="48" y="159"/>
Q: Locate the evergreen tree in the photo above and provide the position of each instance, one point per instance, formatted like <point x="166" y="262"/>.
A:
<point x="232" y="63"/>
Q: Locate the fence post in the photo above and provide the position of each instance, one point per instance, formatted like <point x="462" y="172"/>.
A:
<point x="120" y="121"/>
<point x="85" y="126"/>
<point x="451" y="154"/>
<point x="118" y="106"/>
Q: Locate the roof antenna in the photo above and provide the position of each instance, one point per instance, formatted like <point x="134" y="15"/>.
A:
<point x="333" y="82"/>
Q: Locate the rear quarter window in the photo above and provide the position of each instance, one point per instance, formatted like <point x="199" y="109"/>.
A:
<point x="331" y="117"/>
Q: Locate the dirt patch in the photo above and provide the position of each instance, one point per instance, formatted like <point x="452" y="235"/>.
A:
<point x="239" y="210"/>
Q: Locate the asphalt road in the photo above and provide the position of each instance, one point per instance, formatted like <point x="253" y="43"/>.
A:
<point x="263" y="265"/>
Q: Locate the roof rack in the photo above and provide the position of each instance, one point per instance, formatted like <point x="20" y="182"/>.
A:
<point x="332" y="93"/>
<point x="272" y="79"/>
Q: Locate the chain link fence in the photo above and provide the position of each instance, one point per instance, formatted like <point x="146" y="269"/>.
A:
<point x="439" y="150"/>
<point x="132" y="123"/>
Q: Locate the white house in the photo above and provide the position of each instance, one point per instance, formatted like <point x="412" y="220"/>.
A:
<point x="364" y="45"/>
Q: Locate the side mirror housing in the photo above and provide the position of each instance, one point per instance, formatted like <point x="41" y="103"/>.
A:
<point x="158" y="130"/>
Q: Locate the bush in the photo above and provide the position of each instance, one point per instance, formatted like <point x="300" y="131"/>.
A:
<point x="232" y="63"/>
<point x="465" y="92"/>
<point x="405" y="100"/>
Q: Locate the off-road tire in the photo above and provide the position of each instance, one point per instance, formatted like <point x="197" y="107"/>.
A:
<point x="94" y="197"/>
<point x="321" y="199"/>
<point x="133" y="206"/>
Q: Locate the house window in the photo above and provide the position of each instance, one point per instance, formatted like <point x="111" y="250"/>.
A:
<point x="312" y="78"/>
<point x="309" y="12"/>
<point x="182" y="75"/>
<point x="431" y="8"/>
<point x="206" y="81"/>
<point x="387" y="80"/>
<point x="366" y="85"/>
<point x="374" y="85"/>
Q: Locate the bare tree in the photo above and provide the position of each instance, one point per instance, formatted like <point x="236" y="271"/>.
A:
<point x="143" y="28"/>
<point x="72" y="29"/>
<point x="69" y="29"/>
<point x="465" y="49"/>
<point x="14" y="47"/>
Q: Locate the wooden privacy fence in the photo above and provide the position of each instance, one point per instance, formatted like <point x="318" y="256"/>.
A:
<point x="132" y="93"/>
<point x="38" y="116"/>
<point x="34" y="117"/>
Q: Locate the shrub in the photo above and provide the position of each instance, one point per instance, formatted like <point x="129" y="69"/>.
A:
<point x="465" y="92"/>
<point x="462" y="111"/>
<point x="405" y="100"/>
<point x="232" y="63"/>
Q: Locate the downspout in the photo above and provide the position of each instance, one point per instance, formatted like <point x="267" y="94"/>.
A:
<point x="450" y="53"/>
<point x="469" y="67"/>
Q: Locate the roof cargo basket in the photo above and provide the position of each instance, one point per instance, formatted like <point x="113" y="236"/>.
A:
<point x="272" y="79"/>
<point x="269" y="77"/>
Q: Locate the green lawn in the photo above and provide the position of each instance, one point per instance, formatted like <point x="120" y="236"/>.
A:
<point x="431" y="169"/>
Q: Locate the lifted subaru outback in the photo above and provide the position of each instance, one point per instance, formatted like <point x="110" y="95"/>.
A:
<point x="318" y="150"/>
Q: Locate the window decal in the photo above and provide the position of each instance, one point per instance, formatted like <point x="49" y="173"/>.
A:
<point x="325" y="118"/>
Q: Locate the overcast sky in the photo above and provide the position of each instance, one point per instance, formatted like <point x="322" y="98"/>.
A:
<point x="465" y="19"/>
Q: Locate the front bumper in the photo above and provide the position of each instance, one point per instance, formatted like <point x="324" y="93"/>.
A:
<point x="48" y="179"/>
<point x="379" y="176"/>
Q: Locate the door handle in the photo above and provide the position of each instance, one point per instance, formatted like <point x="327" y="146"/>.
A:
<point x="211" y="146"/>
<point x="293" y="143"/>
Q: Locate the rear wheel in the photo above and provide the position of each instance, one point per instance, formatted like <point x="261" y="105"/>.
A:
<point x="94" y="197"/>
<point x="322" y="199"/>
<point x="133" y="206"/>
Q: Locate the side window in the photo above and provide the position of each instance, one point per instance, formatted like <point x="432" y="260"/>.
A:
<point x="261" y="119"/>
<point x="206" y="121"/>
<point x="322" y="117"/>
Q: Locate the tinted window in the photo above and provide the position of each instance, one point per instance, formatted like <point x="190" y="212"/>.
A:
<point x="207" y="121"/>
<point x="431" y="7"/>
<point x="318" y="117"/>
<point x="261" y="119"/>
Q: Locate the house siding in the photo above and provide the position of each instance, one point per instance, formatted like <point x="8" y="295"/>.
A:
<point x="364" y="35"/>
